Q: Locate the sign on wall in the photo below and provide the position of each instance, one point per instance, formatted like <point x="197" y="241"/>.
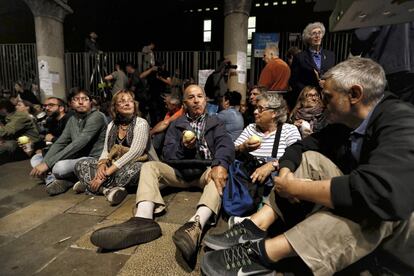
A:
<point x="262" y="40"/>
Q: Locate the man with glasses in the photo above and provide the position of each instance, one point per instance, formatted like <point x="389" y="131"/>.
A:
<point x="55" y="123"/>
<point x="83" y="136"/>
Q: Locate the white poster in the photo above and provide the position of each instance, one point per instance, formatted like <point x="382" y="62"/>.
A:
<point x="241" y="66"/>
<point x="45" y="78"/>
<point x="203" y="75"/>
<point x="46" y="86"/>
<point x="43" y="69"/>
<point x="54" y="76"/>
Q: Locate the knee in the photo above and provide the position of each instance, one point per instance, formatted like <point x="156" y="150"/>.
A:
<point x="60" y="169"/>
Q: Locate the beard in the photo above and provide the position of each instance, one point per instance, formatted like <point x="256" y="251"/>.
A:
<point x="54" y="114"/>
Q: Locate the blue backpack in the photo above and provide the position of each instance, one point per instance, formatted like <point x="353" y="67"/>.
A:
<point x="241" y="196"/>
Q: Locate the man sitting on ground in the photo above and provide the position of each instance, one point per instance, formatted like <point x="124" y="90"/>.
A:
<point x="209" y="143"/>
<point x="82" y="137"/>
<point x="368" y="207"/>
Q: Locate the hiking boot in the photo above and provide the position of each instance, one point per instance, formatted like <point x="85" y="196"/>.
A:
<point x="131" y="232"/>
<point x="79" y="187"/>
<point x="115" y="195"/>
<point x="58" y="186"/>
<point x="240" y="233"/>
<point x="187" y="239"/>
<point x="242" y="259"/>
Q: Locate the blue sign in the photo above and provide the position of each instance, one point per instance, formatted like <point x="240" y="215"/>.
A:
<point x="262" y="40"/>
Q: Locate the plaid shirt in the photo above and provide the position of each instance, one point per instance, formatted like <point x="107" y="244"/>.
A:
<point x="198" y="124"/>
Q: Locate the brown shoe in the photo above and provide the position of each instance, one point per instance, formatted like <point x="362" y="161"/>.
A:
<point x="187" y="239"/>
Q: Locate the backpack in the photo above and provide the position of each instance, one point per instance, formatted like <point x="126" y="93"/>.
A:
<point x="241" y="196"/>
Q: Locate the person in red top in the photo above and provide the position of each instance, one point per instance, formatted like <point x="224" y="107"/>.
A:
<point x="174" y="110"/>
<point x="275" y="75"/>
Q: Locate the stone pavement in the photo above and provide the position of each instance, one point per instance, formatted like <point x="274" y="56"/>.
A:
<point x="46" y="235"/>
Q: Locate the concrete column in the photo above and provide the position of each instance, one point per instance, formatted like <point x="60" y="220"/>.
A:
<point x="236" y="16"/>
<point x="49" y="16"/>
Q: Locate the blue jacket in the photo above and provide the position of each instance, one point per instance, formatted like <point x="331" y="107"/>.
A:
<point x="218" y="141"/>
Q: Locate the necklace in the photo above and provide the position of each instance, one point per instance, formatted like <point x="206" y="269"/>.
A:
<point x="123" y="127"/>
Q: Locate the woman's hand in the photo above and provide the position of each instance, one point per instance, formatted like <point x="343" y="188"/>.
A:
<point x="101" y="172"/>
<point x="262" y="172"/>
<point x="96" y="183"/>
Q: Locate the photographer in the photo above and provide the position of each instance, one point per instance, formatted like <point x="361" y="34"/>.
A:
<point x="216" y="84"/>
<point x="159" y="82"/>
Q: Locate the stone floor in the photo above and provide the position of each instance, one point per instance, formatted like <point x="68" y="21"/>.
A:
<point x="46" y="235"/>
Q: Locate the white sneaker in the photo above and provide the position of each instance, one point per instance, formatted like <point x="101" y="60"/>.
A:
<point x="115" y="195"/>
<point x="79" y="187"/>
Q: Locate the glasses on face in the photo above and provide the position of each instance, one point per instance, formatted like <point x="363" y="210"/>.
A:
<point x="312" y="96"/>
<point x="78" y="99"/>
<point x="124" y="102"/>
<point x="49" y="105"/>
<point x="261" y="109"/>
<point x="313" y="34"/>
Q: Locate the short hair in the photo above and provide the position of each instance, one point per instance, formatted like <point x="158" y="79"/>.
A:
<point x="262" y="89"/>
<point x="273" y="49"/>
<point x="193" y="84"/>
<point x="76" y="91"/>
<point x="59" y="100"/>
<point x="113" y="111"/>
<point x="233" y="97"/>
<point x="362" y="71"/>
<point x="293" y="51"/>
<point x="307" y="32"/>
<point x="277" y="103"/>
<point x="7" y="104"/>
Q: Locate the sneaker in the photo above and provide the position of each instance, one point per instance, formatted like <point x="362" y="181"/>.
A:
<point x="131" y="232"/>
<point x="242" y="259"/>
<point x="80" y="187"/>
<point x="187" y="239"/>
<point x="234" y="220"/>
<point x="58" y="186"/>
<point x="115" y="195"/>
<point x="240" y="233"/>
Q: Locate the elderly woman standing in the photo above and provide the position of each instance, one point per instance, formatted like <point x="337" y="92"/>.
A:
<point x="127" y="144"/>
<point x="309" y="65"/>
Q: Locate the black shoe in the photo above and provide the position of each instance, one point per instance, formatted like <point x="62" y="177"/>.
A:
<point x="242" y="259"/>
<point x="58" y="186"/>
<point x="187" y="239"/>
<point x="131" y="232"/>
<point x="240" y="233"/>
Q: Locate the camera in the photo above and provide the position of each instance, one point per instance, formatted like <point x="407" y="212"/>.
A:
<point x="230" y="66"/>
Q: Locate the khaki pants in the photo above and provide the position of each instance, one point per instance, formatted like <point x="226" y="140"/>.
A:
<point x="153" y="173"/>
<point x="328" y="243"/>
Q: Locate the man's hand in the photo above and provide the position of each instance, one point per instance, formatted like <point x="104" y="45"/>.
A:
<point x="262" y="172"/>
<point x="49" y="137"/>
<point x="283" y="184"/>
<point x="190" y="144"/>
<point x="219" y="175"/>
<point x="39" y="170"/>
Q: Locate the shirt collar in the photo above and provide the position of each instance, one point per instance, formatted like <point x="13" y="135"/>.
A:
<point x="362" y="128"/>
<point x="198" y="119"/>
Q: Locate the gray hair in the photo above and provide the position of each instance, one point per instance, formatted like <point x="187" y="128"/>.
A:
<point x="307" y="32"/>
<point x="277" y="103"/>
<point x="362" y="71"/>
<point x="273" y="49"/>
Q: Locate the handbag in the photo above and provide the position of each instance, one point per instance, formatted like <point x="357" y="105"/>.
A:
<point x="241" y="196"/>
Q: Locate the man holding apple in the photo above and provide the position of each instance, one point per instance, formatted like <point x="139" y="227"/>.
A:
<point x="196" y="136"/>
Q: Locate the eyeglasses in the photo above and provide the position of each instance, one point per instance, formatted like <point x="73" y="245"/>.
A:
<point x="49" y="105"/>
<point x="313" y="34"/>
<point x="312" y="96"/>
<point x="260" y="109"/>
<point x="124" y="102"/>
<point x="78" y="99"/>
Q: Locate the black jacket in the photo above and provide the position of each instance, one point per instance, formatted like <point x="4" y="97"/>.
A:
<point x="219" y="142"/>
<point x="381" y="185"/>
<point x="303" y="68"/>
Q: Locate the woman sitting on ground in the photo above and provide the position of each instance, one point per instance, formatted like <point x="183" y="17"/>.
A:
<point x="127" y="145"/>
<point x="270" y="112"/>
<point x="308" y="114"/>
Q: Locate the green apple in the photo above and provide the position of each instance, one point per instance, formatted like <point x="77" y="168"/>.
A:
<point x="188" y="135"/>
<point x="23" y="140"/>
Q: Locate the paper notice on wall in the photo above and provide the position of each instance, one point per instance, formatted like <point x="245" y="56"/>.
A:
<point x="241" y="66"/>
<point x="46" y="86"/>
<point x="43" y="69"/>
<point x="54" y="76"/>
<point x="203" y="75"/>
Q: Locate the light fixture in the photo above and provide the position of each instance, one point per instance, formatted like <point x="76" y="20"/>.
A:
<point x="257" y="5"/>
<point x="191" y="10"/>
<point x="266" y="4"/>
<point x="275" y="3"/>
<point x="293" y="2"/>
<point x="207" y="9"/>
<point x="215" y="8"/>
<point x="284" y="3"/>
<point x="199" y="10"/>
